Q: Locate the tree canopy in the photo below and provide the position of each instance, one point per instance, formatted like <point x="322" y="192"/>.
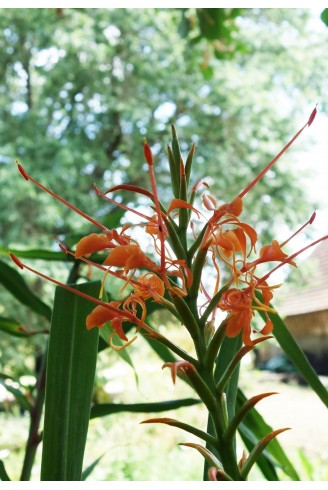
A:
<point x="81" y="88"/>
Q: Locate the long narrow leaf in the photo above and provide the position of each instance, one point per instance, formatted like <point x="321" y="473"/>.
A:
<point x="108" y="408"/>
<point x="297" y="356"/>
<point x="37" y="254"/>
<point x="12" y="280"/>
<point x="70" y="375"/>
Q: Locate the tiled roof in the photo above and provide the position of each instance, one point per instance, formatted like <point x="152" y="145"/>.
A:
<point x="313" y="296"/>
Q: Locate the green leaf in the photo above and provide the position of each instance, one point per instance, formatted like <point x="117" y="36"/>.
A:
<point x="265" y="463"/>
<point x="36" y="254"/>
<point x="296" y="355"/>
<point x="70" y="376"/>
<point x="87" y="472"/>
<point x="174" y="173"/>
<point x="13" y="327"/>
<point x="252" y="429"/>
<point x="229" y="348"/>
<point x="12" y="280"/>
<point x="324" y="16"/>
<point x="3" y="473"/>
<point x="258" y="450"/>
<point x="108" y="408"/>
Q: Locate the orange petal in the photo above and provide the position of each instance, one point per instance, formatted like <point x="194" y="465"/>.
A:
<point x="101" y="315"/>
<point x="95" y="242"/>
<point x="272" y="252"/>
<point x="178" y="204"/>
<point x="130" y="257"/>
<point x="236" y="206"/>
<point x="149" y="286"/>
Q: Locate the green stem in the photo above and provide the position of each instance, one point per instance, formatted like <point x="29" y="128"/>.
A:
<point x="225" y="449"/>
<point x="175" y="241"/>
<point x="214" y="345"/>
<point x="231" y="367"/>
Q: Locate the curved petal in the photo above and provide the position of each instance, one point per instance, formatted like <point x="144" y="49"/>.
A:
<point x="95" y="242"/>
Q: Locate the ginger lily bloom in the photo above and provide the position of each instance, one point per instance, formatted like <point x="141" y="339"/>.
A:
<point x="174" y="272"/>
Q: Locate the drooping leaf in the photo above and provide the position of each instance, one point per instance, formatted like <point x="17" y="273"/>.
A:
<point x="108" y="408"/>
<point x="70" y="376"/>
<point x="12" y="280"/>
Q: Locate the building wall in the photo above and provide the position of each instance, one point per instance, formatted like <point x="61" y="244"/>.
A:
<point x="311" y="331"/>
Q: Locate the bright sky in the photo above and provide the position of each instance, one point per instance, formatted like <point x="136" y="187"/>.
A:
<point x="315" y="161"/>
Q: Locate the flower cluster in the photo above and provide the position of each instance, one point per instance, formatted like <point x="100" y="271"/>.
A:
<point x="172" y="273"/>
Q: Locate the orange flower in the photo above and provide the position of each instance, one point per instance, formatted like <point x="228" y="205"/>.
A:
<point x="238" y="303"/>
<point x="101" y="315"/>
<point x="95" y="242"/>
<point x="269" y="253"/>
<point x="149" y="286"/>
<point x="129" y="257"/>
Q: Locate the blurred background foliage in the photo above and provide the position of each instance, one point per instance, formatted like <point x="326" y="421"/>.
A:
<point x="81" y="88"/>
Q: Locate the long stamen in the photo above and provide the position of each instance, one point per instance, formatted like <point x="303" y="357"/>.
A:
<point x="309" y="222"/>
<point x="123" y="206"/>
<point x="290" y="258"/>
<point x="270" y="165"/>
<point x="53" y="194"/>
<point x="79" y="293"/>
<point x="107" y="271"/>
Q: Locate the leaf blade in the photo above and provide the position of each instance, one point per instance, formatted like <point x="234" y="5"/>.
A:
<point x="104" y="409"/>
<point x="70" y="375"/>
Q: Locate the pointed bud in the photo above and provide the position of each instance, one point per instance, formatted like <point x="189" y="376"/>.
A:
<point x="312" y="116"/>
<point x="22" y="171"/>
<point x="148" y="154"/>
<point x="16" y="260"/>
